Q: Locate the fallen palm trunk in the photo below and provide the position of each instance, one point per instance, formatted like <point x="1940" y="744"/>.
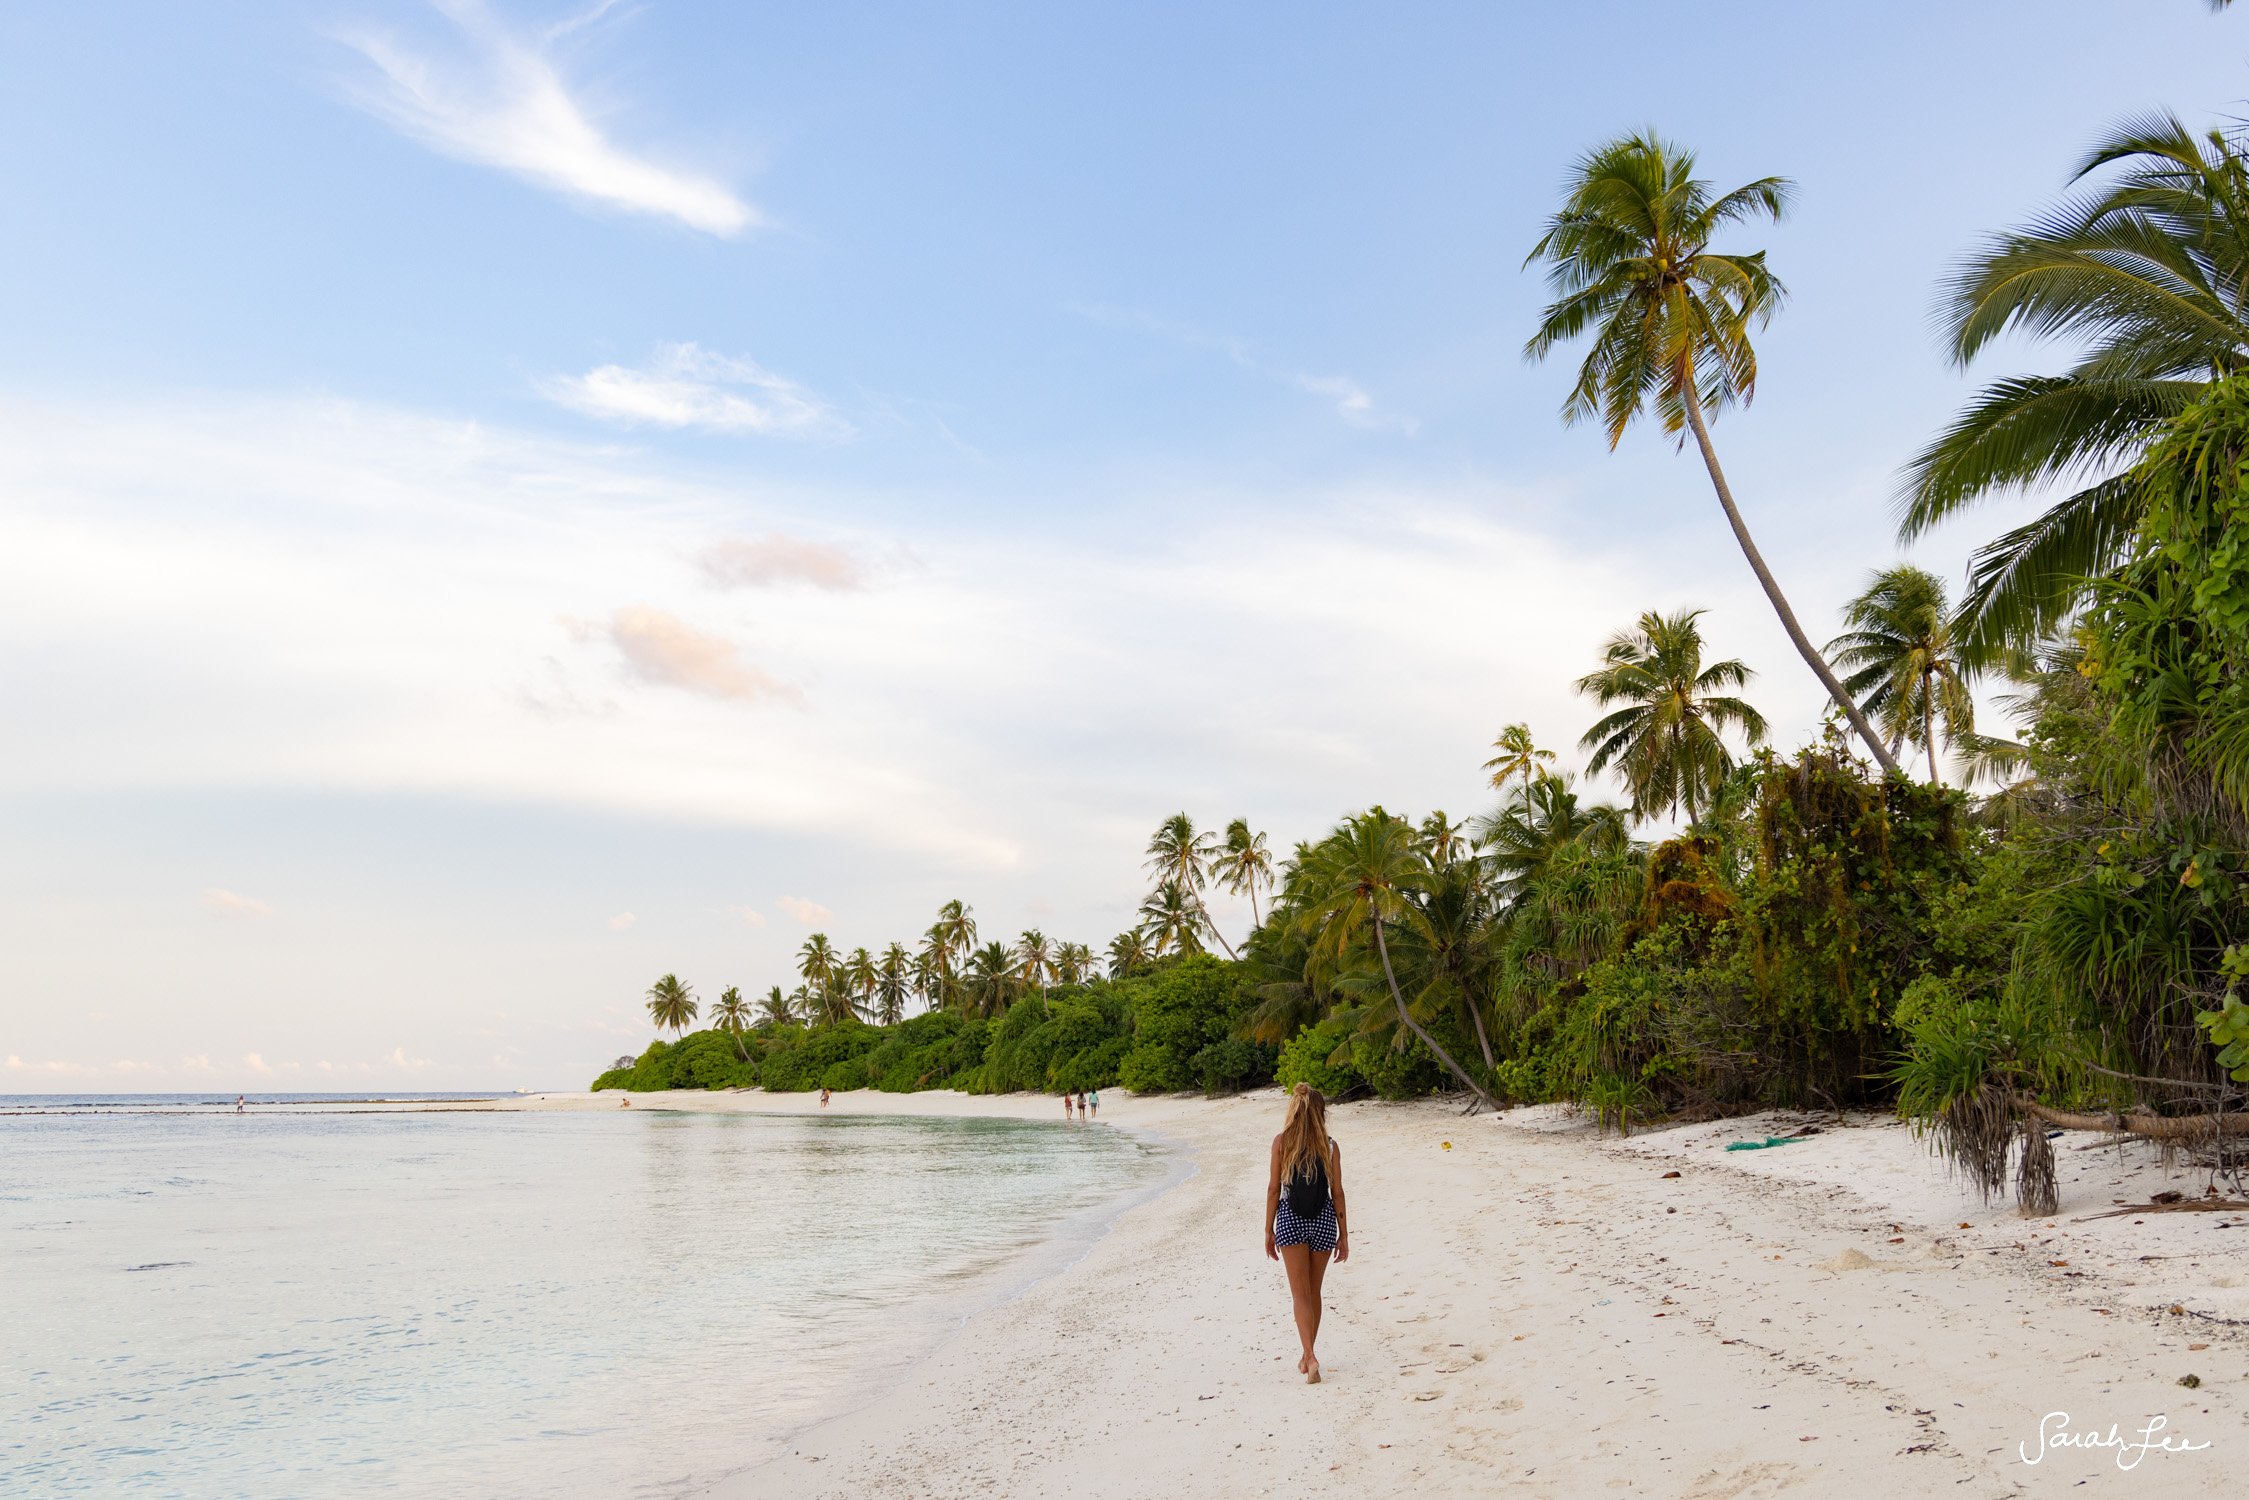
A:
<point x="2154" y="1127"/>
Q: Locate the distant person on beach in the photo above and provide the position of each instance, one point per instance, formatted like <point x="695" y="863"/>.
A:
<point x="238" y="1104"/>
<point x="1093" y="1104"/>
<point x="823" y="1096"/>
<point x="1081" y="1104"/>
<point x="1305" y="1220"/>
<point x="1069" y="1106"/>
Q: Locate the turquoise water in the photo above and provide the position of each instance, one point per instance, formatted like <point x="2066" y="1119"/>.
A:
<point x="324" y="1302"/>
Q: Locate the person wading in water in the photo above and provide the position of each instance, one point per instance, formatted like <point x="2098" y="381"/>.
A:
<point x="1305" y="1217"/>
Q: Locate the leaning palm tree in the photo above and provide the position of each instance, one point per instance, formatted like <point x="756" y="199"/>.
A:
<point x="1243" y="863"/>
<point x="894" y="981"/>
<point x="671" y="1004"/>
<point x="1667" y="742"/>
<point x="1130" y="952"/>
<point x="731" y="1014"/>
<point x="1363" y="883"/>
<point x="1629" y="259"/>
<point x="1518" y="755"/>
<point x="2146" y="278"/>
<point x="1905" y="662"/>
<point x="933" y="961"/>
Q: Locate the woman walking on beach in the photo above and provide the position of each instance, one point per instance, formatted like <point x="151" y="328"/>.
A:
<point x="1069" y="1106"/>
<point x="1305" y="1218"/>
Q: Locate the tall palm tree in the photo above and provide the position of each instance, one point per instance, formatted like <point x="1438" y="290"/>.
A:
<point x="1173" y="919"/>
<point x="2146" y="278"/>
<point x="991" y="980"/>
<point x="1073" y="964"/>
<point x="1444" y="840"/>
<point x="1363" y="883"/>
<point x="857" y="977"/>
<point x="671" y="1004"/>
<point x="774" y="1009"/>
<point x="1178" y="852"/>
<point x="818" y="964"/>
<point x="933" y="961"/>
<point x="894" y="981"/>
<point x="1536" y="823"/>
<point x="731" y="1014"/>
<point x="1179" y="855"/>
<point x="1905" y="661"/>
<point x="1629" y="259"/>
<point x="1244" y="863"/>
<point x="1130" y="952"/>
<point x="1034" y="960"/>
<point x="1667" y="741"/>
<point x="1518" y="755"/>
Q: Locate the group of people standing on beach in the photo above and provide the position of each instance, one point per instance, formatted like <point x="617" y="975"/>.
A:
<point x="1085" y="1104"/>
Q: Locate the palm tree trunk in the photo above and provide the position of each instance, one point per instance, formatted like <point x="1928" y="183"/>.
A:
<point x="1483" y="1040"/>
<point x="1383" y="948"/>
<point x="1804" y="647"/>
<point x="1929" y="725"/>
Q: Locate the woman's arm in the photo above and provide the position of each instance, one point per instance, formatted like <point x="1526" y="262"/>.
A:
<point x="1342" y="1215"/>
<point x="1272" y="1197"/>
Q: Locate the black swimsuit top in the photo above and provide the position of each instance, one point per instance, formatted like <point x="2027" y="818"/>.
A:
<point x="1307" y="1191"/>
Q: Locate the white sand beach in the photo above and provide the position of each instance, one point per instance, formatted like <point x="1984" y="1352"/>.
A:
<point x="1541" y="1311"/>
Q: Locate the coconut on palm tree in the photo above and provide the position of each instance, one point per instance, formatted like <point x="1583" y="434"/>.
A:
<point x="1667" y="742"/>
<point x="1517" y="754"/>
<point x="1629" y="259"/>
<point x="671" y="1004"/>
<point x="731" y="1014"/>
<point x="1904" y="660"/>
<point x="1244" y="863"/>
<point x="2146" y="279"/>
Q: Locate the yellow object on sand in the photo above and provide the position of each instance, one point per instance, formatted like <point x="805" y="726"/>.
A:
<point x="1448" y="1145"/>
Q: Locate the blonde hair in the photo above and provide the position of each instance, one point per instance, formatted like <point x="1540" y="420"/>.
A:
<point x="1304" y="1132"/>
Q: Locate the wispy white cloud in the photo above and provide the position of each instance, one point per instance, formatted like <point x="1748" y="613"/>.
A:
<point x="1350" y="400"/>
<point x="750" y="916"/>
<point x="234" y="904"/>
<point x="498" y="99"/>
<point x="686" y="386"/>
<point x="621" y="921"/>
<point x="256" y="1064"/>
<point x="662" y="648"/>
<point x="806" y="912"/>
<point x="759" y="562"/>
<point x="398" y="1058"/>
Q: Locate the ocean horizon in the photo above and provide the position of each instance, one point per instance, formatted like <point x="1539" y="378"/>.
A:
<point x="326" y="1301"/>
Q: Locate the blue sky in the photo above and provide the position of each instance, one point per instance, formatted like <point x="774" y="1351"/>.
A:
<point x="505" y="501"/>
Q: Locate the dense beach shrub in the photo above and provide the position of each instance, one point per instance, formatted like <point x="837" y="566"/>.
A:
<point x="1320" y="1056"/>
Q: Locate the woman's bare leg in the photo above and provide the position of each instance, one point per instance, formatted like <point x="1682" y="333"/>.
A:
<point x="1305" y="1268"/>
<point x="1319" y="1270"/>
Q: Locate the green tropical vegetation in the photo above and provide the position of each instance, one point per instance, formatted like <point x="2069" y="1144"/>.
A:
<point x="2054" y="934"/>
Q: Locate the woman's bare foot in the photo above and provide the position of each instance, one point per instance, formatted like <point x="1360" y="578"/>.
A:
<point x="1312" y="1371"/>
<point x="1303" y="1364"/>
